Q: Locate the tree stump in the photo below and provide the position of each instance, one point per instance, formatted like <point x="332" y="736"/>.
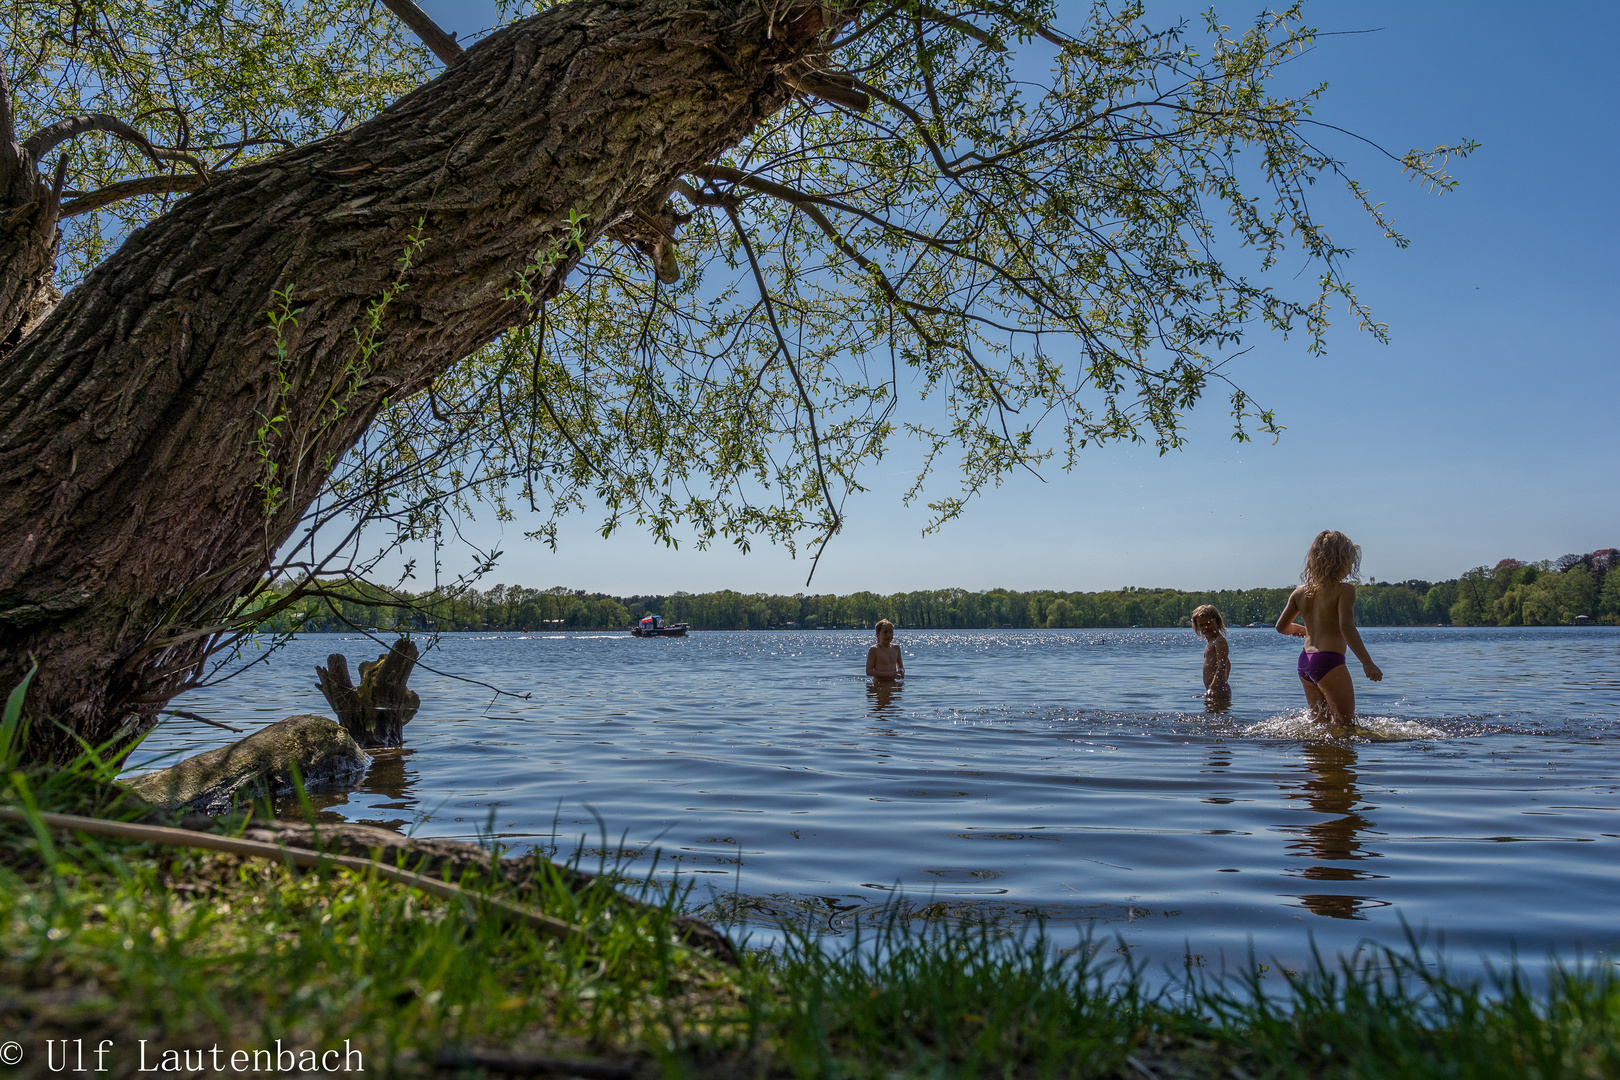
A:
<point x="376" y="711"/>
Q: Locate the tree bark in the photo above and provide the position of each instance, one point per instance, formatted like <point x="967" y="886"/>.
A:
<point x="28" y="216"/>
<point x="143" y="480"/>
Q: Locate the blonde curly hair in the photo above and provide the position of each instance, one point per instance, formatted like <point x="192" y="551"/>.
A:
<point x="1333" y="558"/>
<point x="1212" y="612"/>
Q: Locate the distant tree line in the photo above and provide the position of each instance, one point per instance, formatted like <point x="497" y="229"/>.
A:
<point x="1512" y="593"/>
<point x="1548" y="593"/>
<point x="362" y="605"/>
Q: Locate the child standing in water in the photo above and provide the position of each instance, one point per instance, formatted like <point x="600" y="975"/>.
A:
<point x="1327" y="604"/>
<point x="1208" y="624"/>
<point x="883" y="659"/>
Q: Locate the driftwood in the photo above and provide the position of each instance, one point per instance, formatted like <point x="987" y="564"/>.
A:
<point x="376" y="711"/>
<point x="320" y="753"/>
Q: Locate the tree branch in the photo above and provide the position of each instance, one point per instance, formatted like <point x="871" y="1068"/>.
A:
<point x="864" y="26"/>
<point x="442" y="44"/>
<point x="807" y="204"/>
<point x="50" y="136"/>
<point x="124" y="189"/>
<point x="729" y="175"/>
<point x="829" y="86"/>
<point x="962" y="26"/>
<point x="793" y="368"/>
<point x="1033" y="27"/>
<point x="699" y="197"/>
<point x="8" y="132"/>
<point x="805" y="200"/>
<point x="919" y="124"/>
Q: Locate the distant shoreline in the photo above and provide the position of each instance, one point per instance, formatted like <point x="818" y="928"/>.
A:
<point x="1512" y="593"/>
<point x="927" y="629"/>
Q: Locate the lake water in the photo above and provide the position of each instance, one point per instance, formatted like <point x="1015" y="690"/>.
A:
<point x="1072" y="776"/>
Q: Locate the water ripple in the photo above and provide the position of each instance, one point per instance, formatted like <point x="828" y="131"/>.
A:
<point x="1067" y="775"/>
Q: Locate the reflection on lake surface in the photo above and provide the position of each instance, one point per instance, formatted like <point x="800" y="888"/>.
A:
<point x="1330" y="791"/>
<point x="1074" y="776"/>
<point x="882" y="694"/>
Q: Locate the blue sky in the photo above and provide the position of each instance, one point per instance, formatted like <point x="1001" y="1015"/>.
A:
<point x="1485" y="429"/>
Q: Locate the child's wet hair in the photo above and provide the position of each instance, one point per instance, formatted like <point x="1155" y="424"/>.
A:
<point x="1210" y="611"/>
<point x="1332" y="558"/>
<point x="883" y="624"/>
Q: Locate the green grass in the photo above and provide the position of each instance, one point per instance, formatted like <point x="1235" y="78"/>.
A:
<point x="128" y="941"/>
<point x="111" y="939"/>
<point x="973" y="1000"/>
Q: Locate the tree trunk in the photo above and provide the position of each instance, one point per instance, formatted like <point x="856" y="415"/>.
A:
<point x="143" y="482"/>
<point x="28" y="216"/>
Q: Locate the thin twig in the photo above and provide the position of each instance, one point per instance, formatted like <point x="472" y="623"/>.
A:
<point x="804" y="394"/>
<point x="448" y="675"/>
<point x="182" y="714"/>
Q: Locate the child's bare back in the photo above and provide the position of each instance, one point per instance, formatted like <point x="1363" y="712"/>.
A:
<point x="1325" y="616"/>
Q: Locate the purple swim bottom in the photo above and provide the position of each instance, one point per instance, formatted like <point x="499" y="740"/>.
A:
<point x="1314" y="666"/>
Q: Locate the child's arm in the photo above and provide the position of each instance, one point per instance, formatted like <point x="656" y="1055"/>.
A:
<point x="1352" y="636"/>
<point x="871" y="662"/>
<point x="1223" y="663"/>
<point x="899" y="662"/>
<point x="1285" y="621"/>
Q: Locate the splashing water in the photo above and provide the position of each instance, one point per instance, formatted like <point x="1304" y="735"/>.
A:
<point x="1299" y="725"/>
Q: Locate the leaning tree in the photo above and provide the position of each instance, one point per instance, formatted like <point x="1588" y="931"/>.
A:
<point x="679" y="259"/>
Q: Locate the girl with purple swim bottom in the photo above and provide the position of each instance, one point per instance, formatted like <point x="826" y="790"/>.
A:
<point x="1326" y="603"/>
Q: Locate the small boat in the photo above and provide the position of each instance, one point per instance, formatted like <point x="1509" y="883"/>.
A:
<point x="654" y="626"/>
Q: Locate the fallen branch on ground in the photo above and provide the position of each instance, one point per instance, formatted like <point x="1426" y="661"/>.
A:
<point x="158" y="834"/>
